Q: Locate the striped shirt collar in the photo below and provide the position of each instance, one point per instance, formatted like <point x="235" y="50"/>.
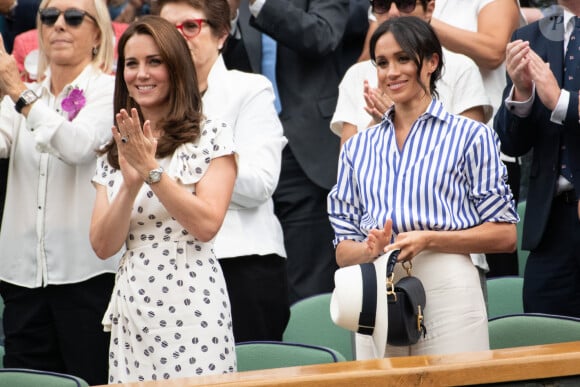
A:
<point x="435" y="109"/>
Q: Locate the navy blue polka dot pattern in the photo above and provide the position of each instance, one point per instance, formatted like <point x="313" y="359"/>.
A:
<point x="169" y="315"/>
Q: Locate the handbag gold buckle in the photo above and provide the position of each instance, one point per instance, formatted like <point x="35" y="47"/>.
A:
<point x="419" y="318"/>
<point x="408" y="266"/>
<point x="391" y="286"/>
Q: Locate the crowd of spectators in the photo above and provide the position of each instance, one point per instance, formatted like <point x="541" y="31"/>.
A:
<point x="258" y="145"/>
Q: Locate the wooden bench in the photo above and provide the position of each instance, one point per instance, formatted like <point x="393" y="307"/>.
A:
<point x="502" y="365"/>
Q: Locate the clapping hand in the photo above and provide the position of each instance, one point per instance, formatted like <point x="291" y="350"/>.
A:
<point x="137" y="147"/>
<point x="517" y="61"/>
<point x="377" y="103"/>
<point x="10" y="81"/>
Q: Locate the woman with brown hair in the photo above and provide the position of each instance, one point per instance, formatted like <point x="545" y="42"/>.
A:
<point x="250" y="244"/>
<point x="162" y="192"/>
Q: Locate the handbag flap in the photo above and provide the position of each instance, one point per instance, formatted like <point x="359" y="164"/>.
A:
<point x="414" y="290"/>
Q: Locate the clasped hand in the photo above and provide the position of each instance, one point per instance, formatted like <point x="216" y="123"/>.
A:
<point x="377" y="103"/>
<point x="410" y="243"/>
<point x="526" y="68"/>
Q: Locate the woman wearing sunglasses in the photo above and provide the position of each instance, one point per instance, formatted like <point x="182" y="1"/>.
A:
<point x="250" y="244"/>
<point x="54" y="287"/>
<point x="429" y="183"/>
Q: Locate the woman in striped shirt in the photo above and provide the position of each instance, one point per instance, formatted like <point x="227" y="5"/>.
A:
<point x="429" y="183"/>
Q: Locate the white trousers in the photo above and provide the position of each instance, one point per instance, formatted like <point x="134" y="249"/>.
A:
<point x="455" y="314"/>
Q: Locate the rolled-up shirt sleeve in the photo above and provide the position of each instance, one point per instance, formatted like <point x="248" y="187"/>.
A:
<point x="343" y="203"/>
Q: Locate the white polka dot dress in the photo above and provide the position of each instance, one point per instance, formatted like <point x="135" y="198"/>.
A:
<point x="169" y="313"/>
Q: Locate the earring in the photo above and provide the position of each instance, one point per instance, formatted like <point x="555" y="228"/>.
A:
<point x="95" y="51"/>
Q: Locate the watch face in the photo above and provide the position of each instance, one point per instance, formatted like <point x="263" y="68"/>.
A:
<point x="29" y="96"/>
<point x="155" y="175"/>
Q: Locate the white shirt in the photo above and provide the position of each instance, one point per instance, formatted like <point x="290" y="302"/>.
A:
<point x="49" y="200"/>
<point x="246" y="102"/>
<point x="460" y="88"/>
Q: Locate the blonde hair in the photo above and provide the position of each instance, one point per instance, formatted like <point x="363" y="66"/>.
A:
<point x="104" y="57"/>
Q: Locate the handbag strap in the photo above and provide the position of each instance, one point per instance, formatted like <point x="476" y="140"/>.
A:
<point x="392" y="262"/>
<point x="366" y="320"/>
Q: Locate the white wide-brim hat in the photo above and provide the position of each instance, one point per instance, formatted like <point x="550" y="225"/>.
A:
<point x="359" y="300"/>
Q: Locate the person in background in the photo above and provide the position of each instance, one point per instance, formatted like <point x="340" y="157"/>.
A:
<point x="25" y="51"/>
<point x="354" y="34"/>
<point x="460" y="87"/>
<point x="250" y="244"/>
<point x="536" y="9"/>
<point x="361" y="104"/>
<point x="163" y="188"/>
<point x="474" y="29"/>
<point x="15" y="17"/>
<point x="18" y="16"/>
<point x="418" y="149"/>
<point x="126" y="11"/>
<point x="540" y="112"/>
<point x="304" y="37"/>
<point x="54" y="287"/>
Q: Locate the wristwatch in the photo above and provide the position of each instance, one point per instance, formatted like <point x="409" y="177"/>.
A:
<point x="26" y="98"/>
<point x="154" y="176"/>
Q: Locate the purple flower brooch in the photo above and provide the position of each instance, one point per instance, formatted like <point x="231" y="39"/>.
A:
<point x="73" y="103"/>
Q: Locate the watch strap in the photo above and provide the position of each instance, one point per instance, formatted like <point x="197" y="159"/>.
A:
<point x="26" y="98"/>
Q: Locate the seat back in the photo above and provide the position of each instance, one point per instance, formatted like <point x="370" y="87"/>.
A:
<point x="520" y="330"/>
<point x="522" y="254"/>
<point x="259" y="355"/>
<point x="505" y="296"/>
<point x="19" y="377"/>
<point x="310" y="323"/>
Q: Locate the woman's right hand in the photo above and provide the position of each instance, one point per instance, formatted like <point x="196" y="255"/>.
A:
<point x="379" y="239"/>
<point x="377" y="103"/>
<point x="131" y="177"/>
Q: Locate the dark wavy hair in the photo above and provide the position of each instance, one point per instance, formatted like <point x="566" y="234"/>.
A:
<point x="417" y="39"/>
<point x="182" y="124"/>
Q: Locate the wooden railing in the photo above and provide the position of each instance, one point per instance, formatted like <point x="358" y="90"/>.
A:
<point x="502" y="365"/>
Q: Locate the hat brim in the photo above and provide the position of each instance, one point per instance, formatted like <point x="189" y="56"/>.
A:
<point x="382" y="315"/>
<point x="347" y="299"/>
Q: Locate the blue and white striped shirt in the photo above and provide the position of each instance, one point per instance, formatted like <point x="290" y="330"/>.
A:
<point x="448" y="176"/>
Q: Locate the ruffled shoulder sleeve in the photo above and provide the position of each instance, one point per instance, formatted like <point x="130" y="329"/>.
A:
<point x="190" y="161"/>
<point x="104" y="173"/>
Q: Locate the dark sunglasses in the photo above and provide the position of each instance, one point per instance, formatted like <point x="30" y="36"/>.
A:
<point x="383" y="6"/>
<point x="72" y="16"/>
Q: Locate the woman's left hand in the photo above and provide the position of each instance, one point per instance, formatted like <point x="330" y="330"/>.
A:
<point x="137" y="146"/>
<point x="410" y="243"/>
